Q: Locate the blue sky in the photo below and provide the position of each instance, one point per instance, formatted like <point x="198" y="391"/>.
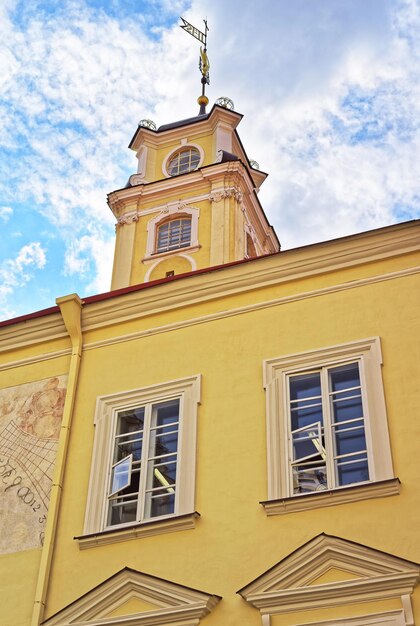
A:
<point x="329" y="91"/>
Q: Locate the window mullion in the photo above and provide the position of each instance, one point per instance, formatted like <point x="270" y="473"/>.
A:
<point x="143" y="464"/>
<point x="289" y="438"/>
<point x="328" y="434"/>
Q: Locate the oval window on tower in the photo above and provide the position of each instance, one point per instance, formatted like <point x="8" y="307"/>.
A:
<point x="183" y="161"/>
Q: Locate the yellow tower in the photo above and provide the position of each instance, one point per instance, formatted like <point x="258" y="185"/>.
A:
<point x="192" y="203"/>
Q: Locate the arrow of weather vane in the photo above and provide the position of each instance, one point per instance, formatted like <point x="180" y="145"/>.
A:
<point x="204" y="64"/>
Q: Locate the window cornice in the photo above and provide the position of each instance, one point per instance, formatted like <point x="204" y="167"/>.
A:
<point x="331" y="497"/>
<point x="136" y="531"/>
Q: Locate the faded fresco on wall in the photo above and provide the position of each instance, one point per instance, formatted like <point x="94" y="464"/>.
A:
<point x="30" y="420"/>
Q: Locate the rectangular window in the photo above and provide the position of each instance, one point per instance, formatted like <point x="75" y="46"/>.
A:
<point x="144" y="463"/>
<point x="327" y="439"/>
<point x="326" y="427"/>
<point x="174" y="234"/>
<point x="143" y="466"/>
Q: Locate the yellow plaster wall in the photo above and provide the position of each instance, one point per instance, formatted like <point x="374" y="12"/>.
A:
<point x="19" y="570"/>
<point x="234" y="541"/>
<point x="18" y="575"/>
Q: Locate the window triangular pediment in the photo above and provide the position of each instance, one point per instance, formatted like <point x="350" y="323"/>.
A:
<point x="330" y="567"/>
<point x="331" y="575"/>
<point x="135" y="596"/>
<point x="132" y="605"/>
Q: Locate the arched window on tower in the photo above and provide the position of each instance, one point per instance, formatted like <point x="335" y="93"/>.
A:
<point x="173" y="234"/>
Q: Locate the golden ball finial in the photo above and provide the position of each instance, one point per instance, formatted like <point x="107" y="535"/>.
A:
<point x="203" y="100"/>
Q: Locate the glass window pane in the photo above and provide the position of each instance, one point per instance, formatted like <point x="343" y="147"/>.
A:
<point x="305" y="386"/>
<point x="308" y="444"/>
<point x="164" y="475"/>
<point x="166" y="413"/>
<point x="174" y="234"/>
<point x="351" y="473"/>
<point x="347" y="442"/>
<point x="302" y="417"/>
<point x="121" y="475"/>
<point x="131" y="420"/>
<point x="344" y="409"/>
<point x="122" y="513"/>
<point x="344" y="377"/>
<point x="165" y="444"/>
<point x="162" y="505"/>
<point x="309" y="479"/>
<point x="184" y="161"/>
<point x="128" y="445"/>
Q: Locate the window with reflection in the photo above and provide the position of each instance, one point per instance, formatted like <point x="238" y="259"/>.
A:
<point x="327" y="439"/>
<point x="144" y="464"/>
<point x="173" y="234"/>
<point x="183" y="161"/>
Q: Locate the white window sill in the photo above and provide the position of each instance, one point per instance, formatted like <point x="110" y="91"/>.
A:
<point x="144" y="529"/>
<point x="158" y="255"/>
<point x="353" y="493"/>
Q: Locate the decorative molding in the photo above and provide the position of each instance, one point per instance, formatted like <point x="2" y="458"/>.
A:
<point x="179" y="205"/>
<point x="286" y="267"/>
<point x="278" y="269"/>
<point x="128" y="218"/>
<point x="163" y="255"/>
<point x="343" y="495"/>
<point x="203" y="319"/>
<point x="32" y="331"/>
<point x="226" y="192"/>
<point x="136" y="179"/>
<point x="47" y="356"/>
<point x="145" y="529"/>
<point x="291" y="584"/>
<point x="172" y="209"/>
<point x="385" y="618"/>
<point x="175" y="604"/>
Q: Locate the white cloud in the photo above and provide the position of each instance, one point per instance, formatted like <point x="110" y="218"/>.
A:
<point x="91" y="256"/>
<point x="5" y="213"/>
<point x="17" y="272"/>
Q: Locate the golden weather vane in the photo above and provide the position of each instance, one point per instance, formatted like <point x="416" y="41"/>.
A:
<point x="203" y="64"/>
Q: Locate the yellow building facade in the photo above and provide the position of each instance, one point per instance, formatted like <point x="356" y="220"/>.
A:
<point x="230" y="435"/>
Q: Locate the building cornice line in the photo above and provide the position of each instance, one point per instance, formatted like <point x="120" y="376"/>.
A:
<point x="217" y="282"/>
<point x="273" y="270"/>
<point x="32" y="331"/>
<point x="35" y="359"/>
<point x="133" y="216"/>
<point x="176" y="183"/>
<point x="250" y="308"/>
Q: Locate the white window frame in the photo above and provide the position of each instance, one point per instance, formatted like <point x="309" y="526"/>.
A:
<point x="178" y="245"/>
<point x="171" y="213"/>
<point x="325" y="430"/>
<point x="107" y="409"/>
<point x="182" y="146"/>
<point x="385" y="618"/>
<point x="276" y="372"/>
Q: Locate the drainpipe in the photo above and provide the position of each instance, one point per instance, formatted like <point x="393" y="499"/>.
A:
<point x="71" y="309"/>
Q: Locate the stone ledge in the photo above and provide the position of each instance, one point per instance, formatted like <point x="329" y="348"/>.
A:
<point x="145" y="529"/>
<point x="354" y="493"/>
